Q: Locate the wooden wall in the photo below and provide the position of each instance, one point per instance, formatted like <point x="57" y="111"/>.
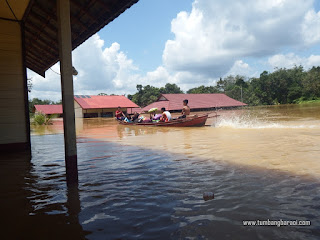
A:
<point x="13" y="127"/>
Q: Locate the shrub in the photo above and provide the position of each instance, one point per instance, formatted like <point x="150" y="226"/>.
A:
<point x="42" y="119"/>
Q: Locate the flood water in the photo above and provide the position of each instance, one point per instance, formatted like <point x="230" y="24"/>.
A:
<point x="148" y="182"/>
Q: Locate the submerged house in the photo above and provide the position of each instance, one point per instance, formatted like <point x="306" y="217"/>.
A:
<point x="53" y="109"/>
<point x="197" y="102"/>
<point x="86" y="106"/>
<point x="36" y="35"/>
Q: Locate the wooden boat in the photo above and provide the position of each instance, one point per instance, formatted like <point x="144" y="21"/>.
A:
<point x="195" y="121"/>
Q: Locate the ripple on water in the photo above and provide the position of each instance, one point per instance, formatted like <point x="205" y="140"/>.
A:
<point x="128" y="192"/>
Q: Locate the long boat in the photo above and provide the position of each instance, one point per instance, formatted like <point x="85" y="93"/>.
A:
<point x="195" y="121"/>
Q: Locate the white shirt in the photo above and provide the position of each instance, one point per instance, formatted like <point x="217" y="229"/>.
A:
<point x="168" y="114"/>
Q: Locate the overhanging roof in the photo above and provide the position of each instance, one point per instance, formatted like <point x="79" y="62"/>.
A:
<point x="41" y="31"/>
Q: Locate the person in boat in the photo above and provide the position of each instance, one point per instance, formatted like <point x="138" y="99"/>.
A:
<point x="135" y="117"/>
<point x="185" y="110"/>
<point x="127" y="118"/>
<point x="119" y="114"/>
<point x="166" y="115"/>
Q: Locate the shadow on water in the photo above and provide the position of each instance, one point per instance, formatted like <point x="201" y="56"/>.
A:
<point x="134" y="193"/>
<point x="36" y="204"/>
<point x="130" y="192"/>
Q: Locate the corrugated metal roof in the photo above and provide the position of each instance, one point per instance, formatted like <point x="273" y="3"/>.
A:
<point x="90" y="102"/>
<point x="49" y="109"/>
<point x="196" y="101"/>
<point x="41" y="28"/>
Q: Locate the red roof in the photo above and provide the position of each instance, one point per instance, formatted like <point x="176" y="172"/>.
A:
<point x="211" y="100"/>
<point x="89" y="102"/>
<point x="132" y="110"/>
<point x="49" y="109"/>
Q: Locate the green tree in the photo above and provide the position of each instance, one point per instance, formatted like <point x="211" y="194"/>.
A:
<point x="170" y="88"/>
<point x="311" y="84"/>
<point x="204" y="89"/>
<point x="145" y="95"/>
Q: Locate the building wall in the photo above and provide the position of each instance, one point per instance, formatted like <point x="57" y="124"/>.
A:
<point x="100" y="111"/>
<point x="78" y="113"/>
<point x="13" y="127"/>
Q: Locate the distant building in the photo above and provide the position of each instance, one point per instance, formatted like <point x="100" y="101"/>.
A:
<point x="197" y="102"/>
<point x="101" y="106"/>
<point x="49" y="109"/>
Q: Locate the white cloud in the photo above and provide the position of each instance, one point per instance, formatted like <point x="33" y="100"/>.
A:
<point x="241" y="68"/>
<point x="209" y="42"/>
<point x="290" y="60"/>
<point x="99" y="69"/>
<point x="311" y="27"/>
<point x="218" y="33"/>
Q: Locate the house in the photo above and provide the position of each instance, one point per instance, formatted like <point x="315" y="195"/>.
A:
<point x="49" y="109"/>
<point x="197" y="102"/>
<point x="101" y="106"/>
<point x="36" y="35"/>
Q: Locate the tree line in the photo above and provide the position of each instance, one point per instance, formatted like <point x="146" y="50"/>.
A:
<point x="283" y="86"/>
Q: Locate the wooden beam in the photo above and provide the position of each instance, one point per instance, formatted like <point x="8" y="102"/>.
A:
<point x="47" y="40"/>
<point x="25" y="90"/>
<point x="65" y="49"/>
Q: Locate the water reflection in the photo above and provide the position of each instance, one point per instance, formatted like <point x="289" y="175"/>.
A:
<point x="34" y="199"/>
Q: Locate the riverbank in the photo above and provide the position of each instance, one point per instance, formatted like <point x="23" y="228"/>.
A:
<point x="308" y="101"/>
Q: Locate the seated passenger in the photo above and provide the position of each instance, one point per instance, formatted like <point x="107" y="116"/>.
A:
<point x="166" y="115"/>
<point x="135" y="117"/>
<point x="127" y="118"/>
<point x="119" y="114"/>
<point x="157" y="117"/>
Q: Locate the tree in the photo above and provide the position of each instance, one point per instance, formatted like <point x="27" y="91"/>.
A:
<point x="170" y="88"/>
<point x="204" y="89"/>
<point x="145" y="95"/>
<point x="311" y="84"/>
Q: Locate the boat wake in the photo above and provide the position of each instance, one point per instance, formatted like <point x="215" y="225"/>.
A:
<point x="249" y="122"/>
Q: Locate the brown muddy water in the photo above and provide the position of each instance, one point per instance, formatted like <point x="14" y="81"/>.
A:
<point x="148" y="183"/>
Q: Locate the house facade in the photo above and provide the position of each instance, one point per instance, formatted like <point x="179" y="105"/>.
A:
<point x="86" y="106"/>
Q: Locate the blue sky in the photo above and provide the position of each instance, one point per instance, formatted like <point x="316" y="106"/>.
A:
<point x="191" y="43"/>
<point x="143" y="30"/>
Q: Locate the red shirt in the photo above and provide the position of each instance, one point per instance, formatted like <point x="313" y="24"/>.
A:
<point x="118" y="113"/>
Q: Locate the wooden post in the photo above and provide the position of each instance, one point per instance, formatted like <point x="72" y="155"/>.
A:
<point x="65" y="49"/>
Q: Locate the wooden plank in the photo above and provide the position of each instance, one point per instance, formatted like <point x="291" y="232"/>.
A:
<point x="10" y="28"/>
<point x="12" y="132"/>
<point x="12" y="104"/>
<point x="9" y="43"/>
<point x="10" y="81"/>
